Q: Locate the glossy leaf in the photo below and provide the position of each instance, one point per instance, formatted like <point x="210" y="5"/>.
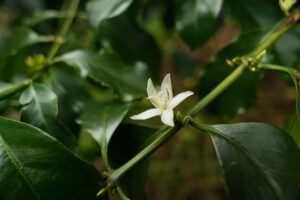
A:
<point x="259" y="161"/>
<point x="99" y="10"/>
<point x="196" y="20"/>
<point x="34" y="165"/>
<point x="40" y="108"/>
<point x="120" y="30"/>
<point x="102" y="119"/>
<point x="128" y="81"/>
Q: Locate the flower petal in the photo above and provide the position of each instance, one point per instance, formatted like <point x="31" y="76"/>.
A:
<point x="166" y="85"/>
<point x="179" y="98"/>
<point x="151" y="91"/>
<point x="147" y="114"/>
<point x="167" y="117"/>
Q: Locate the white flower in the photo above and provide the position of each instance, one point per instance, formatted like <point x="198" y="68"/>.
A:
<point x="163" y="100"/>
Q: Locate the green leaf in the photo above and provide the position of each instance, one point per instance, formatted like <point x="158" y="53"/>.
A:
<point x="196" y="20"/>
<point x="21" y="38"/>
<point x="119" y="32"/>
<point x="5" y="86"/>
<point x="102" y="119"/>
<point x="292" y="126"/>
<point x="259" y="161"/>
<point x="34" y="165"/>
<point x="99" y="10"/>
<point x="8" y="89"/>
<point x="72" y="92"/>
<point x="252" y="15"/>
<point x="11" y="66"/>
<point x="128" y="81"/>
<point x="125" y="143"/>
<point x="42" y="15"/>
<point x="40" y="108"/>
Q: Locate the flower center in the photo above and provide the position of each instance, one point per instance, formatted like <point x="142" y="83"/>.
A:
<point x="161" y="100"/>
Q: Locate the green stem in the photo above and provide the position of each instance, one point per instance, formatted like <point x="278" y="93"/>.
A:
<point x="64" y="28"/>
<point x="277" y="32"/>
<point x="217" y="90"/>
<point x="121" y="194"/>
<point x="292" y="73"/>
<point x="166" y="133"/>
<point x="282" y="27"/>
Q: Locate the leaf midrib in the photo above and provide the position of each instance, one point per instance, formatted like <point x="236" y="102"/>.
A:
<point x="252" y="160"/>
<point x="18" y="167"/>
<point x="37" y="105"/>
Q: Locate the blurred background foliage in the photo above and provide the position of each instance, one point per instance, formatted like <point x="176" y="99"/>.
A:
<point x="191" y="40"/>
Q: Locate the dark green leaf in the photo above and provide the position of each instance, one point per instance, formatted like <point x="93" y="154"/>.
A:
<point x="259" y="161"/>
<point x="99" y="10"/>
<point x="196" y="19"/>
<point x="126" y="142"/>
<point x="89" y="147"/>
<point x="134" y="182"/>
<point x="34" y="165"/>
<point x="119" y="32"/>
<point x="128" y="81"/>
<point x="252" y="14"/>
<point x="11" y="66"/>
<point x="101" y="120"/>
<point x="40" y="109"/>
<point x="72" y="92"/>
